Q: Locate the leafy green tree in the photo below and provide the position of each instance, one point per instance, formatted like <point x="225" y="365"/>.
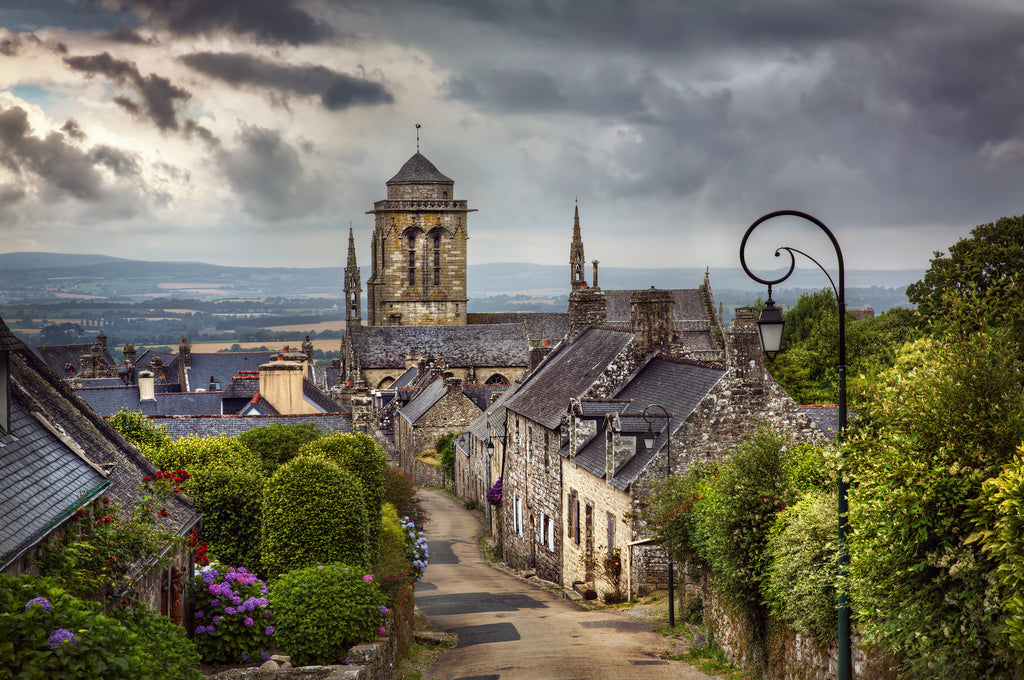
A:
<point x="140" y="431"/>
<point x="944" y="419"/>
<point x="991" y="256"/>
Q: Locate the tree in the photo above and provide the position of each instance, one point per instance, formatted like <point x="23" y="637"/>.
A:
<point x="943" y="420"/>
<point x="985" y="262"/>
<point x="445" y="447"/>
<point x="61" y="334"/>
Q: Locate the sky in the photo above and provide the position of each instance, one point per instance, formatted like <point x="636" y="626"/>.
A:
<point x="255" y="132"/>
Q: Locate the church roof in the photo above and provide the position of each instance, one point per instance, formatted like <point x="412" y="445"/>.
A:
<point x="458" y="346"/>
<point x="418" y="170"/>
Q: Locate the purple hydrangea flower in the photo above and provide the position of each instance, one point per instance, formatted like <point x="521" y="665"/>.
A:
<point x="199" y="615"/>
<point x="215" y="602"/>
<point x="42" y="602"/>
<point x="269" y="630"/>
<point x="248" y="622"/>
<point x="211" y="629"/>
<point x="368" y="578"/>
<point x="61" y="637"/>
<point x="264" y="655"/>
<point x="382" y="630"/>
<point x="383" y="609"/>
<point x="236" y="600"/>
<point x="216" y="618"/>
<point x="200" y="630"/>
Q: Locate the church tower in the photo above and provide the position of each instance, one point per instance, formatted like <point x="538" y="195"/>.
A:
<point x="576" y="260"/>
<point x="353" y="288"/>
<point x="418" y="268"/>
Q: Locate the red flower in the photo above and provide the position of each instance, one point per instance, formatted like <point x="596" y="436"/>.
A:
<point x="81" y="511"/>
<point x="147" y="479"/>
<point x="106" y="499"/>
<point x="163" y="512"/>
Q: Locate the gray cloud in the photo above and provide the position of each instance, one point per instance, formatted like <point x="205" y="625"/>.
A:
<point x="159" y="95"/>
<point x="268" y="21"/>
<point x="9" y="47"/>
<point x="268" y="174"/>
<point x="336" y="91"/>
<point x="129" y="36"/>
<point x="72" y="130"/>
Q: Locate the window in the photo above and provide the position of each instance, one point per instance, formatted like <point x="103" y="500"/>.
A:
<point x="517" y="515"/>
<point x="437" y="259"/>
<point x="412" y="259"/>
<point x="546" y="535"/>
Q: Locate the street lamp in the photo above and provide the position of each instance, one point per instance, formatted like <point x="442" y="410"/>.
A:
<point x="649" y="443"/>
<point x="771" y="342"/>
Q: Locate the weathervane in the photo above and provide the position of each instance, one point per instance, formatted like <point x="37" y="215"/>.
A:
<point x="417" y="137"/>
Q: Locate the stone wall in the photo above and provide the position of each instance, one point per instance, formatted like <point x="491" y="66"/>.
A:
<point x="788" y="655"/>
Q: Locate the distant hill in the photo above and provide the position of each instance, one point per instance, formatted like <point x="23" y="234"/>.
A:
<point x="46" y="276"/>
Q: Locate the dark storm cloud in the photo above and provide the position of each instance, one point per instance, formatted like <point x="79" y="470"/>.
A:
<point x="72" y="130"/>
<point x="336" y="91"/>
<point x="129" y="36"/>
<point x="269" y="176"/>
<point x="9" y="47"/>
<point x="62" y="168"/>
<point x="268" y="21"/>
<point x="159" y="95"/>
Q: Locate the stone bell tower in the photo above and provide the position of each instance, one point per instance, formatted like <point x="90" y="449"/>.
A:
<point x="418" y="268"/>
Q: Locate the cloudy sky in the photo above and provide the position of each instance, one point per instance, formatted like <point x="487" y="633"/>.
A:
<point x="254" y="131"/>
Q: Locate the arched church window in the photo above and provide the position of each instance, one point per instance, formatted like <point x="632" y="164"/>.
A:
<point x="437" y="259"/>
<point x="412" y="259"/>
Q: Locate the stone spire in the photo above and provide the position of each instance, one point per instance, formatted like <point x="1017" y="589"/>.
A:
<point x="576" y="259"/>
<point x="353" y="288"/>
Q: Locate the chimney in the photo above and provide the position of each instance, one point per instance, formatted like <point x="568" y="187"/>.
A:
<point x="281" y="385"/>
<point x="129" y="355"/>
<point x="595" y="273"/>
<point x="214" y="385"/>
<point x="185" y="354"/>
<point x="307" y="349"/>
<point x="147" y="391"/>
<point x="743" y="347"/>
<point x="102" y="340"/>
<point x="651" y="317"/>
<point x="452" y="383"/>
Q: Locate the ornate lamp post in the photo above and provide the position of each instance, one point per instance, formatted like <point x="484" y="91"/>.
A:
<point x="649" y="443"/>
<point x="770" y="326"/>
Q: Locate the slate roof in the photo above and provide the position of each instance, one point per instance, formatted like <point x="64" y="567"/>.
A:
<point x="677" y="386"/>
<point x="481" y="394"/>
<point x="35" y="389"/>
<point x="242" y="386"/>
<point x="424" y="401"/>
<point x="418" y="170"/>
<point x="406" y="379"/>
<point x="316" y="396"/>
<point x="259" y="406"/>
<point x="44" y="482"/>
<point x="826" y="417"/>
<point x="223" y="366"/>
<point x="56" y="356"/>
<point x="109" y="400"/>
<point x="459" y="346"/>
<point x="551" y="326"/>
<point x="496" y="416"/>
<point x="689" y="304"/>
<point x="205" y="426"/>
<point x="567" y="372"/>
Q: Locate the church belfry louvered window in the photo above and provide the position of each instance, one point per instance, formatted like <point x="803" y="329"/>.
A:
<point x="412" y="260"/>
<point x="437" y="259"/>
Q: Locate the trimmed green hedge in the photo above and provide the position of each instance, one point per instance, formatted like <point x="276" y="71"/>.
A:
<point x="231" y="501"/>
<point x="313" y="513"/>
<point x="278" y="444"/>
<point x="322" y="611"/>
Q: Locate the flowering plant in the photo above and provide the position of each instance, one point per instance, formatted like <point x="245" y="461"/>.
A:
<point x="416" y="548"/>
<point x="233" y="620"/>
<point x="494" y="493"/>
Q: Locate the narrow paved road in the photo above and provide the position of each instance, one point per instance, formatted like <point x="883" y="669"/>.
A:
<point x="509" y="629"/>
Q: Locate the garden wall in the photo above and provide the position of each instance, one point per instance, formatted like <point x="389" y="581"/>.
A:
<point x="789" y="655"/>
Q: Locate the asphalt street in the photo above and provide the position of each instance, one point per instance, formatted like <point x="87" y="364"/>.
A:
<point x="508" y="628"/>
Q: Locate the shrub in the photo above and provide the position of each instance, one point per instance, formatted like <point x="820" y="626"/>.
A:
<point x="277" y="444"/>
<point x="393" y="571"/>
<point x="47" y="633"/>
<point x="802" y="550"/>
<point x="445" y="447"/>
<point x="322" y="611"/>
<point x="195" y="454"/>
<point x="743" y="499"/>
<point x="1000" y="532"/>
<point x="231" y="501"/>
<point x="232" y="614"/>
<point x="401" y="493"/>
<point x="416" y="549"/>
<point x="364" y="458"/>
<point x="313" y="513"/>
<point x="140" y="431"/>
<point x="98" y="556"/>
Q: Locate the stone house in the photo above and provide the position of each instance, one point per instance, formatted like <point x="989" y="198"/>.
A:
<point x="705" y="410"/>
<point x="58" y="458"/>
<point x="444" y="405"/>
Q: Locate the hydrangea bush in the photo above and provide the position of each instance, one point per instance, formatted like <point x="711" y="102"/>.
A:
<point x="416" y="548"/>
<point x="322" y="611"/>
<point x="233" y="619"/>
<point x="48" y="633"/>
<point x="494" y="493"/>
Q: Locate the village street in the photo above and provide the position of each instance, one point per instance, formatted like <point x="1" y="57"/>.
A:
<point x="508" y="628"/>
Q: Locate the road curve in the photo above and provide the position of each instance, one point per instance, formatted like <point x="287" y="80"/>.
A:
<point x="509" y="629"/>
